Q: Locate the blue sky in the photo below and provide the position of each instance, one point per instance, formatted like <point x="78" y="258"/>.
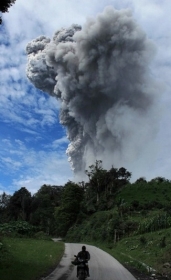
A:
<point x="32" y="142"/>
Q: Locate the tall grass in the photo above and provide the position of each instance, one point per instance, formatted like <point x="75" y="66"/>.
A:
<point x="146" y="252"/>
<point x="28" y="259"/>
<point x="155" y="223"/>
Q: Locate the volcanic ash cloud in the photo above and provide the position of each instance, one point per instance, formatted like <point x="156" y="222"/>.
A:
<point x="100" y="73"/>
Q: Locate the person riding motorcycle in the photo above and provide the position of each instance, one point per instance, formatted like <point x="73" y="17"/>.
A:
<point x="84" y="255"/>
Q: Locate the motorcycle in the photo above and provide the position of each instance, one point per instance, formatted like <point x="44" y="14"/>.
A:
<point x="81" y="268"/>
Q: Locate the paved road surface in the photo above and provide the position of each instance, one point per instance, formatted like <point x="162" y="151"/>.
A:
<point x="102" y="266"/>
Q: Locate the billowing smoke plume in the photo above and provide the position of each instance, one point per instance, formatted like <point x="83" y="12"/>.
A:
<point x="101" y="75"/>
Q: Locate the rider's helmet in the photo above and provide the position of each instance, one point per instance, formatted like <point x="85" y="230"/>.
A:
<point x="83" y="248"/>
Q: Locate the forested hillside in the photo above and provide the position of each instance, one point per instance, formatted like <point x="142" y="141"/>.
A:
<point x="128" y="218"/>
<point x="54" y="209"/>
<point x="107" y="197"/>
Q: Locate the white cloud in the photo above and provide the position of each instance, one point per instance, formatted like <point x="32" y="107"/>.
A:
<point x="57" y="143"/>
<point x="32" y="168"/>
<point x="10" y="163"/>
<point x="44" y="168"/>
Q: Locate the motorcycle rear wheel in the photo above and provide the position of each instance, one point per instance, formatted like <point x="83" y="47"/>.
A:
<point x="82" y="275"/>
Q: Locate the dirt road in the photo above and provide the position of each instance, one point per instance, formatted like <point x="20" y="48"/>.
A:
<point x="102" y="266"/>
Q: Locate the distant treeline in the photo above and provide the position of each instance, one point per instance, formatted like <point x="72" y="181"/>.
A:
<point x="55" y="209"/>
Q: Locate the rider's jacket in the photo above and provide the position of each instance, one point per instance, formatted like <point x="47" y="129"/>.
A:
<point x="84" y="255"/>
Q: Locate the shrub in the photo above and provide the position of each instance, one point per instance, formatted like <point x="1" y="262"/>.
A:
<point x="17" y="228"/>
<point x="143" y="240"/>
<point x="135" y="204"/>
<point x="163" y="242"/>
<point x="41" y="235"/>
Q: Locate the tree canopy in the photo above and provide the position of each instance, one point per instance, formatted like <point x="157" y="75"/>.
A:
<point x="55" y="209"/>
<point x="5" y="5"/>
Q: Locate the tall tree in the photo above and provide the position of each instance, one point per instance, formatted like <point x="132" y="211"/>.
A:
<point x="19" y="205"/>
<point x="124" y="175"/>
<point x="97" y="178"/>
<point x="5" y="5"/>
<point x="4" y="202"/>
<point x="43" y="207"/>
<point x="103" y="185"/>
<point x="113" y="178"/>
<point x="66" y="215"/>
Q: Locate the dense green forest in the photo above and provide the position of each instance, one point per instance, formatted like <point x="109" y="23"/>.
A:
<point x="103" y="208"/>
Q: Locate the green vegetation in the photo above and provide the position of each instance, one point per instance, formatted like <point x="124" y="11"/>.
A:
<point x="28" y="259"/>
<point x="156" y="193"/>
<point x="17" y="228"/>
<point x="130" y="220"/>
<point x="146" y="252"/>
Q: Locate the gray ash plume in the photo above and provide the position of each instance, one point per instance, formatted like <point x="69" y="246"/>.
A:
<point x="100" y="73"/>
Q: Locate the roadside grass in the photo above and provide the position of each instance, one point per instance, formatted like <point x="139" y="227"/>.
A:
<point x="28" y="259"/>
<point x="148" y="252"/>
